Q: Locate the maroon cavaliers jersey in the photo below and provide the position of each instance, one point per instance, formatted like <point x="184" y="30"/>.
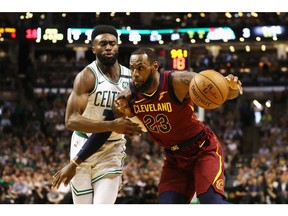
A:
<point x="168" y="120"/>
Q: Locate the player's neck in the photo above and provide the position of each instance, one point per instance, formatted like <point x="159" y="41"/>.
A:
<point x="112" y="72"/>
<point x="151" y="91"/>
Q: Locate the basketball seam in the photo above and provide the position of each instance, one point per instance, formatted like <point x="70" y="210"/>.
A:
<point x="203" y="94"/>
<point x="216" y="87"/>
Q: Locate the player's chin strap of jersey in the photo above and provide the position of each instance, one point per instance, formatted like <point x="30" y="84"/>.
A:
<point x="95" y="141"/>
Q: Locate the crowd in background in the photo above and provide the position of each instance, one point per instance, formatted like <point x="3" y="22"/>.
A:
<point x="35" y="144"/>
<point x="59" y="71"/>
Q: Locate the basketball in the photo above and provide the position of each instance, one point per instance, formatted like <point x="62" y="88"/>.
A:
<point x="208" y="89"/>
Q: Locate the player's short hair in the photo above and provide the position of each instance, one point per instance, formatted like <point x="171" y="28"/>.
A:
<point x="152" y="57"/>
<point x="104" y="29"/>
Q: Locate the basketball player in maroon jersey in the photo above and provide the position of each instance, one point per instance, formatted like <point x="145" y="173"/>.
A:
<point x="194" y="159"/>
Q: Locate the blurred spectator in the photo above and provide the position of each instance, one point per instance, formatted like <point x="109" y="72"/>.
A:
<point x="281" y="186"/>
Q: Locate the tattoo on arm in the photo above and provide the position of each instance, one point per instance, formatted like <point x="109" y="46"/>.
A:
<point x="185" y="80"/>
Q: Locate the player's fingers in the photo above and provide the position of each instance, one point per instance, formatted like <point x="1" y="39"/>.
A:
<point x="54" y="183"/>
<point x="58" y="182"/>
<point x="56" y="174"/>
<point x="134" y="125"/>
<point x="66" y="182"/>
<point x="235" y="78"/>
<point x="135" y="129"/>
<point x="228" y="77"/>
<point x="130" y="136"/>
<point x="240" y="89"/>
<point x="54" y="179"/>
<point x="121" y="103"/>
<point x="56" y="186"/>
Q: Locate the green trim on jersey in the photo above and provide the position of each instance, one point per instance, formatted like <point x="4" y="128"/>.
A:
<point x="105" y="174"/>
<point x="80" y="192"/>
<point x="113" y="82"/>
<point x="80" y="134"/>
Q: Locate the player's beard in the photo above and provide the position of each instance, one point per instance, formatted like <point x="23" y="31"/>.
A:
<point x="107" y="61"/>
<point x="147" y="84"/>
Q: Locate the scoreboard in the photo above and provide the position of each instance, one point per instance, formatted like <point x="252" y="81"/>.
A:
<point x="7" y="32"/>
<point x="140" y="36"/>
<point x="177" y="59"/>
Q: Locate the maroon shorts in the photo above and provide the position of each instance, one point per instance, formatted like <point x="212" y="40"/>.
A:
<point x="194" y="168"/>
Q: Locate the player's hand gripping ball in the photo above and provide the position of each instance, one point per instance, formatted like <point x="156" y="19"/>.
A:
<point x="235" y="86"/>
<point x="209" y="89"/>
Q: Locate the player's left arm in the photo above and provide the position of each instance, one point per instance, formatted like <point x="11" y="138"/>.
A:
<point x="92" y="145"/>
<point x="180" y="83"/>
<point x="235" y="86"/>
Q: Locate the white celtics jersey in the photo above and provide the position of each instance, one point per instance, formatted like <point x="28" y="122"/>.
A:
<point x="105" y="91"/>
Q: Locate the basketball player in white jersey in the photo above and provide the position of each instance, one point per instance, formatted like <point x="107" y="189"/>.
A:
<point x="98" y="177"/>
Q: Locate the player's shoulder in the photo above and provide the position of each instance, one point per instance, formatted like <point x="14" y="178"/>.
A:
<point x="86" y="77"/>
<point x="84" y="81"/>
<point x="123" y="67"/>
<point x="87" y="72"/>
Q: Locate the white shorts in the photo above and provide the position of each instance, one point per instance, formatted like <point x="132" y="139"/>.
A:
<point x="107" y="161"/>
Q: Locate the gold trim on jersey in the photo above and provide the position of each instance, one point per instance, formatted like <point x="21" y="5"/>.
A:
<point x="149" y="95"/>
<point x="220" y="165"/>
<point x="191" y="107"/>
<point x="138" y="101"/>
<point x="161" y="95"/>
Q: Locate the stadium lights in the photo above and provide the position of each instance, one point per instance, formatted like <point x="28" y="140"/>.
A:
<point x="257" y="104"/>
<point x="268" y="103"/>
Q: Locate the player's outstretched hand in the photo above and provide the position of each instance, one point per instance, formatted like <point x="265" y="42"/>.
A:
<point x="235" y="86"/>
<point x="64" y="175"/>
<point x="127" y="127"/>
<point x="122" y="105"/>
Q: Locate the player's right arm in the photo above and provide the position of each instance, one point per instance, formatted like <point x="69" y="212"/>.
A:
<point x="77" y="102"/>
<point x="83" y="84"/>
<point x="180" y="83"/>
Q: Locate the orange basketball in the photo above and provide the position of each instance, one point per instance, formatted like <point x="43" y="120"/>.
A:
<point x="208" y="89"/>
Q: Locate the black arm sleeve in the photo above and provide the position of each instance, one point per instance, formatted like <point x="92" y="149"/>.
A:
<point x="95" y="141"/>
